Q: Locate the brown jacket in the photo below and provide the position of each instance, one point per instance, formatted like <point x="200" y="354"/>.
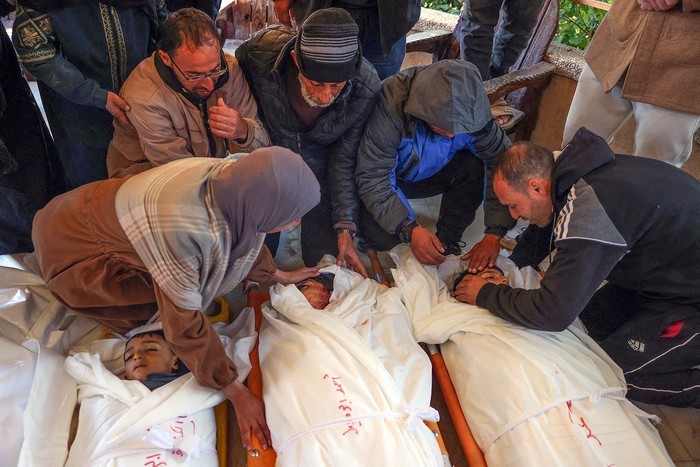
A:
<point x="90" y="266"/>
<point x="660" y="51"/>
<point x="169" y="127"/>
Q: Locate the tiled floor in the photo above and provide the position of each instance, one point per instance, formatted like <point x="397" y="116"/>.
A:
<point x="680" y="432"/>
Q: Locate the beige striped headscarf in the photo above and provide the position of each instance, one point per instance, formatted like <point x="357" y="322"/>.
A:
<point x="171" y="215"/>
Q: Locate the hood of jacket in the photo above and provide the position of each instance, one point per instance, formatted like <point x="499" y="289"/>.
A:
<point x="448" y="94"/>
<point x="585" y="153"/>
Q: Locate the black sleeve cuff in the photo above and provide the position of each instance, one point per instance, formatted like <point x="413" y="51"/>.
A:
<point x="482" y="297"/>
<point x="498" y="231"/>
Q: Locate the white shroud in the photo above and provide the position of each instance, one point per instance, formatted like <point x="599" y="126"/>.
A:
<point x="123" y="423"/>
<point x="532" y="398"/>
<point x="347" y="385"/>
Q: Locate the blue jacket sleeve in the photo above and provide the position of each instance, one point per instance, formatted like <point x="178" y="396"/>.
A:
<point x="376" y="160"/>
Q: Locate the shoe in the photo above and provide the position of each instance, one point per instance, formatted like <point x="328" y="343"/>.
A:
<point x="453" y="248"/>
<point x="501" y="108"/>
<point x="510" y="239"/>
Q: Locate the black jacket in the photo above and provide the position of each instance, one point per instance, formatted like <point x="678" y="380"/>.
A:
<point x="330" y="148"/>
<point x="630" y="220"/>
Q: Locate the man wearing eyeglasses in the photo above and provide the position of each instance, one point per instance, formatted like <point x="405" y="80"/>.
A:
<point x="188" y="99"/>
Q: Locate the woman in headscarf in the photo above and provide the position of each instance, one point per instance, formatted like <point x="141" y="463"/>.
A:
<point x="171" y="239"/>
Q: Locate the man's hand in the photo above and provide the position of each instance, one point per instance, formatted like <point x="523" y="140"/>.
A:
<point x="226" y="122"/>
<point x="282" y="8"/>
<point x="118" y="108"/>
<point x="250" y="414"/>
<point x="292" y="277"/>
<point x="426" y="246"/>
<point x="483" y="254"/>
<point x="469" y="288"/>
<point x="348" y="253"/>
<point x="657" y="5"/>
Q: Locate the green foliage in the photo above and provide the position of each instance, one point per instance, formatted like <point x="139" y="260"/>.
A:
<point x="578" y="23"/>
<point x="448" y="6"/>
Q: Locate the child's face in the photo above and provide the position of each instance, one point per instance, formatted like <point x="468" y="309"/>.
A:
<point x="147" y="354"/>
<point x="315" y="293"/>
<point x="493" y="275"/>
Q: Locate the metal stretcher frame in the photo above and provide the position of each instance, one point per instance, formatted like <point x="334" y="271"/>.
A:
<point x="256" y="456"/>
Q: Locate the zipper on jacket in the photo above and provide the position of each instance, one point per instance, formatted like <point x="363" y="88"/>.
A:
<point x="410" y="166"/>
<point x="211" y="141"/>
<point x="298" y="143"/>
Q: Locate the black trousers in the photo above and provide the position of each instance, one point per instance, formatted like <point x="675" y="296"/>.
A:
<point x="660" y="367"/>
<point x="461" y="184"/>
<point x="30" y="171"/>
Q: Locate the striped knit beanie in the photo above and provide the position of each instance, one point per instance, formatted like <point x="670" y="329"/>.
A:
<point x="327" y="47"/>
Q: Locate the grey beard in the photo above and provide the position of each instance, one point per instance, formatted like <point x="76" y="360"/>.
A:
<point x="308" y="98"/>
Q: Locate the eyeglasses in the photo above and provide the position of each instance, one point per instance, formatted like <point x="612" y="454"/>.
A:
<point x="198" y="77"/>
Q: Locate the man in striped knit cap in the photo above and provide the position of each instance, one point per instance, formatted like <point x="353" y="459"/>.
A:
<point x="315" y="92"/>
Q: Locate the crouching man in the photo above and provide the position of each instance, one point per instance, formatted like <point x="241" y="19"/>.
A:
<point x="601" y="213"/>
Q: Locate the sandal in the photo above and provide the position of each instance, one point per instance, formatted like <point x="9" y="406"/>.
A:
<point x="501" y="108"/>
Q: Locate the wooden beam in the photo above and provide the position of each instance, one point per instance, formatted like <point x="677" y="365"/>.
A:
<point x="594" y="3"/>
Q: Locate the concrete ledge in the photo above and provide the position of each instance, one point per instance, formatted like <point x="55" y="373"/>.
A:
<point x="435" y="20"/>
<point x="567" y="60"/>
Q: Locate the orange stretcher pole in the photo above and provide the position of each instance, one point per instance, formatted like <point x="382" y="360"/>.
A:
<point x="471" y="450"/>
<point x="257" y="456"/>
<point x="221" y="411"/>
<point x="377" y="269"/>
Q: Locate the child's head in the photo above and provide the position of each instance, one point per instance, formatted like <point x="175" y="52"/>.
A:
<point x="317" y="290"/>
<point x="148" y="353"/>
<point x="493" y="275"/>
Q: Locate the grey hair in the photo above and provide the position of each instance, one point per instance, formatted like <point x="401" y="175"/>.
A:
<point x="524" y="161"/>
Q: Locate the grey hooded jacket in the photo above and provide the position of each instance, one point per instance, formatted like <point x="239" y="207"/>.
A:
<point x="448" y="94"/>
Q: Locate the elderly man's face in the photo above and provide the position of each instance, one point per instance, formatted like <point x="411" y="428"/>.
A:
<point x="316" y="93"/>
<point x="534" y="205"/>
<point x="315" y="293"/>
<point x="147" y="354"/>
<point x="187" y="62"/>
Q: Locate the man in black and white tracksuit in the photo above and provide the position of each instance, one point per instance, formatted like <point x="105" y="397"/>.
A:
<point x="629" y="220"/>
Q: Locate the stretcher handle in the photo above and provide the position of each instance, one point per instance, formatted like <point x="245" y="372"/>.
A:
<point x="256" y="456"/>
<point x="471" y="450"/>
